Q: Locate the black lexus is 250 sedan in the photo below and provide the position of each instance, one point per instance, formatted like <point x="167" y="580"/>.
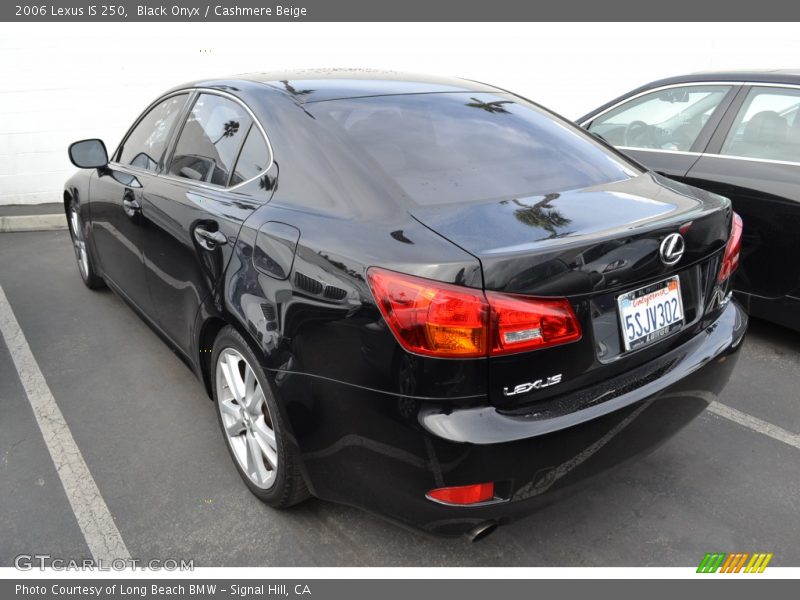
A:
<point x="736" y="134"/>
<point x="428" y="298"/>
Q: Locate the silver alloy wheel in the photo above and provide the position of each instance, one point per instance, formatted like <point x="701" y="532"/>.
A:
<point x="78" y="242"/>
<point x="246" y="418"/>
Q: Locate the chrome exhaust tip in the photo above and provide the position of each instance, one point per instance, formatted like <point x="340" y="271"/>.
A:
<point x="481" y="531"/>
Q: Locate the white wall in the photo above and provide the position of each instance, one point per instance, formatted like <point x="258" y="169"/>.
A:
<point x="63" y="82"/>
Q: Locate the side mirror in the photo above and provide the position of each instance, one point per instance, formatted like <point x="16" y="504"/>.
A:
<point x="88" y="154"/>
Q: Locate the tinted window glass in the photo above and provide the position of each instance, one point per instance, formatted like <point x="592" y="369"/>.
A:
<point x="210" y="140"/>
<point x="146" y="144"/>
<point x="669" y="119"/>
<point x="253" y="159"/>
<point x="767" y="126"/>
<point x="452" y="147"/>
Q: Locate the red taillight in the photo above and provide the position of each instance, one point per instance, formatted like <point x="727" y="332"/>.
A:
<point x="464" y="494"/>
<point x="520" y="324"/>
<point x="732" y="250"/>
<point x="429" y="317"/>
<point x="449" y="321"/>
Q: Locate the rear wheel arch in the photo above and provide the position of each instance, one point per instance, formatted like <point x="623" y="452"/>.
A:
<point x="209" y="330"/>
<point x="205" y="344"/>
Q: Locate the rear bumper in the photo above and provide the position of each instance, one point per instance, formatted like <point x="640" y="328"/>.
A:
<point x="383" y="453"/>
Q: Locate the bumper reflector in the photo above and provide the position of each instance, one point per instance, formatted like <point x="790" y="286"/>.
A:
<point x="463" y="494"/>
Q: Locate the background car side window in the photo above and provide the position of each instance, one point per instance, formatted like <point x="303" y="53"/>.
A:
<point x="253" y="159"/>
<point x="767" y="126"/>
<point x="669" y="119"/>
<point x="210" y="140"/>
<point x="145" y="145"/>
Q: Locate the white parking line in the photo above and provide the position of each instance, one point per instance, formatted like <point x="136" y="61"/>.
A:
<point x="98" y="527"/>
<point x="749" y="421"/>
<point x="756" y="424"/>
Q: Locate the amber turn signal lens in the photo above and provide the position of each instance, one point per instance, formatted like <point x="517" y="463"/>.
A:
<point x="430" y="317"/>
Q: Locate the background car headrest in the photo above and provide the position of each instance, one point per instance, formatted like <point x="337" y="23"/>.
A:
<point x="766" y="127"/>
<point x="795" y="128"/>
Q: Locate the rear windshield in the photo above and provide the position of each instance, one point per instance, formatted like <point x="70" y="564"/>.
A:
<point x="458" y="147"/>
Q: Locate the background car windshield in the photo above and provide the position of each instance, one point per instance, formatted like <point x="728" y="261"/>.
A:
<point x="451" y="147"/>
<point x="669" y="119"/>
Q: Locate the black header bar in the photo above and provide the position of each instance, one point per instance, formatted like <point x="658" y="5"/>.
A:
<point x="403" y="11"/>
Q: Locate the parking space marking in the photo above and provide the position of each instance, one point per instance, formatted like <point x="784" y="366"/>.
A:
<point x="96" y="523"/>
<point x="749" y="421"/>
<point x="755" y="424"/>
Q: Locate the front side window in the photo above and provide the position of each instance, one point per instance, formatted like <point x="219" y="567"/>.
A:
<point x="669" y="119"/>
<point x="210" y="140"/>
<point x="441" y="148"/>
<point x="145" y="146"/>
<point x="767" y="126"/>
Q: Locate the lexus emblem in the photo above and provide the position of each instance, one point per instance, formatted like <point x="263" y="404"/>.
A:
<point x="672" y="248"/>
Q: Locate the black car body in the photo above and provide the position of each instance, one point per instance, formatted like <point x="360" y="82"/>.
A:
<point x="735" y="134"/>
<point x="381" y="254"/>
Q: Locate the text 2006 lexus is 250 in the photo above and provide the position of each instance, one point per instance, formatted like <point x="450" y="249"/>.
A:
<point x="428" y="298"/>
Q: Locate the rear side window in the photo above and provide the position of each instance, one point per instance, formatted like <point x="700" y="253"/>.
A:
<point x="767" y="126"/>
<point x="253" y="158"/>
<point x="668" y="119"/>
<point x="145" y="146"/>
<point x="458" y="147"/>
<point x="210" y="140"/>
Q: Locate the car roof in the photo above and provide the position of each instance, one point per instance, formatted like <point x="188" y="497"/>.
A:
<point x="756" y="76"/>
<point x="318" y="85"/>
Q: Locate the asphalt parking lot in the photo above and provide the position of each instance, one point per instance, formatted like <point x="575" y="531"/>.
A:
<point x="150" y="439"/>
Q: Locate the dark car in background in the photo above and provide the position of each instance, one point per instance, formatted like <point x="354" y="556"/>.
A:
<point x="735" y="134"/>
<point x="428" y="298"/>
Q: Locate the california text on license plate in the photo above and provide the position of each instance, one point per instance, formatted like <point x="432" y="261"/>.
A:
<point x="650" y="313"/>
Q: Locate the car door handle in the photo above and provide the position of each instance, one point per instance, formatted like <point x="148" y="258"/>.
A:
<point x="209" y="239"/>
<point x="131" y="206"/>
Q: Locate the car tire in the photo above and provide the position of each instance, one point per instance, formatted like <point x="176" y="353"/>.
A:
<point x="77" y="234"/>
<point x="253" y="429"/>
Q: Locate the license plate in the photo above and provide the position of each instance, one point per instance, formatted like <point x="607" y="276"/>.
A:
<point x="650" y="313"/>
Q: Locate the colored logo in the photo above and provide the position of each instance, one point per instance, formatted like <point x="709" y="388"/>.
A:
<point x="737" y="562"/>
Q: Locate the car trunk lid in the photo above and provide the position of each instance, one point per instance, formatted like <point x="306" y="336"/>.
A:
<point x="590" y="246"/>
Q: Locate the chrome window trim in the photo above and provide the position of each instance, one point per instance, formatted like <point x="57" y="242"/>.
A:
<point x="130" y="168"/>
<point x="761" y="160"/>
<point x="772" y="84"/>
<point x="660" y="88"/>
<point x="711" y="154"/>
<point x="684" y="152"/>
<point x="197" y="91"/>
